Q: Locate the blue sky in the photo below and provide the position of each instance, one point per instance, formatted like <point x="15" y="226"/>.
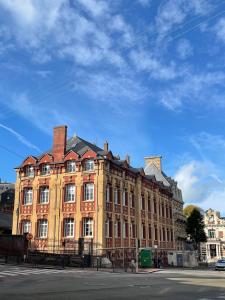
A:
<point x="147" y="75"/>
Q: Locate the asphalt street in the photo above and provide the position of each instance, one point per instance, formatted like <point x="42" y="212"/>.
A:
<point x="31" y="283"/>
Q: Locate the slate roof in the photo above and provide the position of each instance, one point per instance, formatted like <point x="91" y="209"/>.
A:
<point x="78" y="145"/>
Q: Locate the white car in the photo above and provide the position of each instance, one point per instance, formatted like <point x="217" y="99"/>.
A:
<point x="220" y="265"/>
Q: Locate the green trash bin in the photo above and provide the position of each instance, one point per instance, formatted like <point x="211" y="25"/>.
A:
<point x="145" y="258"/>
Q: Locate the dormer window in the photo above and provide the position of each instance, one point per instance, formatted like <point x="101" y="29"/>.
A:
<point x="89" y="165"/>
<point x="71" y="166"/>
<point x="29" y="171"/>
<point x="45" y="169"/>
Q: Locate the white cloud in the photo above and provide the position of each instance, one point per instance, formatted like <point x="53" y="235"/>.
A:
<point x="201" y="185"/>
<point x="96" y="7"/>
<point x="172" y="13"/>
<point x="145" y="61"/>
<point x="184" y="49"/>
<point x="220" y="29"/>
<point x="193" y="88"/>
<point x="20" y="138"/>
<point x="207" y="141"/>
<point x="115" y="90"/>
<point x="144" y="3"/>
<point x="42" y="116"/>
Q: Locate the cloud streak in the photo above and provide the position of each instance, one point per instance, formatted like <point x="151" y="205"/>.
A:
<point x="20" y="138"/>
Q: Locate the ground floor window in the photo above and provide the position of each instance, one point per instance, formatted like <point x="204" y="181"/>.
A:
<point x="88" y="227"/>
<point x="26" y="226"/>
<point x="42" y="228"/>
<point x="69" y="227"/>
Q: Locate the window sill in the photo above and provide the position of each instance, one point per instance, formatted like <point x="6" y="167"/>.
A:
<point x="70" y="201"/>
<point x="88" y="200"/>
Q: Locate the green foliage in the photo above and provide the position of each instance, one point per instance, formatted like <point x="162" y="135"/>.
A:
<point x="195" y="228"/>
<point x="189" y="208"/>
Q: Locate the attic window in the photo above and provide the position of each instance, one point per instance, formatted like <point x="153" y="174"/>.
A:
<point x="29" y="171"/>
<point x="71" y="166"/>
<point x="45" y="169"/>
<point x="89" y="165"/>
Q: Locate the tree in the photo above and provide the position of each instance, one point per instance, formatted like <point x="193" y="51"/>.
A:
<point x="189" y="208"/>
<point x="195" y="228"/>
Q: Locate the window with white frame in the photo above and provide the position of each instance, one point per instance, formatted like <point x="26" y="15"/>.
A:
<point x="89" y="165"/>
<point x="71" y="166"/>
<point x="108" y="194"/>
<point x="42" y="228"/>
<point x="69" y="227"/>
<point x="28" y="196"/>
<point x="88" y="227"/>
<point x="29" y="171"/>
<point x="89" y="192"/>
<point x="107" y="228"/>
<point x="117" y="228"/>
<point x="26" y="226"/>
<point x="44" y="194"/>
<point x="45" y="169"/>
<point x="70" y="193"/>
<point x="211" y="233"/>
<point x="116" y="196"/>
<point x="132" y="229"/>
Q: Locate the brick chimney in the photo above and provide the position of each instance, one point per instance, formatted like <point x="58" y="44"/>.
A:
<point x="156" y="160"/>
<point x="106" y="146"/>
<point x="59" y="142"/>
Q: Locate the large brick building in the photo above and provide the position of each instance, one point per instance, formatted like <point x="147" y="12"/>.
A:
<point x="80" y="190"/>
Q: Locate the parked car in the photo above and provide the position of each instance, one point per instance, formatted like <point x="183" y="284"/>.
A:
<point x="220" y="265"/>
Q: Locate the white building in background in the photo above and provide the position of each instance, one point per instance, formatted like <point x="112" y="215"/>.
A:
<point x="214" y="248"/>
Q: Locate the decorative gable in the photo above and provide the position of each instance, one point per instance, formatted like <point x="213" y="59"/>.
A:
<point x="30" y="160"/>
<point x="89" y="154"/>
<point x="46" y="158"/>
<point x="71" y="155"/>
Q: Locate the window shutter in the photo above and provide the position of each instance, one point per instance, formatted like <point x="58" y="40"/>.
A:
<point x="110" y="228"/>
<point x="126" y="230"/>
<point x="118" y="195"/>
<point x="111" y="193"/>
<point x="36" y="229"/>
<point x="38" y="195"/>
<point x="119" y="229"/>
<point x="126" y="198"/>
<point x="82" y="193"/>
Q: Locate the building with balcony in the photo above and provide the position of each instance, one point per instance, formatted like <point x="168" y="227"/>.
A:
<point x="214" y="248"/>
<point x="77" y="189"/>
